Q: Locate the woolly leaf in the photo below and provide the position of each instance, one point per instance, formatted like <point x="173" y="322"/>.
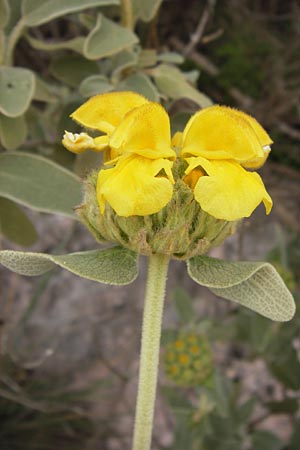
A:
<point x="256" y="285"/>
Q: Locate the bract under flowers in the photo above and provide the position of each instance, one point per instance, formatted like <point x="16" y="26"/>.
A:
<point x="218" y="143"/>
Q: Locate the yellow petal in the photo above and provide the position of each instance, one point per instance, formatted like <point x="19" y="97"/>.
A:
<point x="262" y="135"/>
<point x="257" y="162"/>
<point x="144" y="131"/>
<point x="135" y="186"/>
<point x="228" y="191"/>
<point x="104" y="112"/>
<point x="79" y="143"/>
<point x="219" y="132"/>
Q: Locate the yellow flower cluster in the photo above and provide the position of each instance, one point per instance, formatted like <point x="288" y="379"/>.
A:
<point x="218" y="144"/>
<point x="188" y="360"/>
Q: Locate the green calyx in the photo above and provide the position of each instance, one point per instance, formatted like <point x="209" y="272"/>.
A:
<point x="181" y="229"/>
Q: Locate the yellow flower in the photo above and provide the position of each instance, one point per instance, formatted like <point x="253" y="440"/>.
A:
<point x="137" y="136"/>
<point x="134" y="187"/>
<point x="103" y="112"/>
<point x="218" y="143"/>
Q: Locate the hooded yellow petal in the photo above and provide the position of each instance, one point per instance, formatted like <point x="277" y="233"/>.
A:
<point x="135" y="186"/>
<point x="104" y="112"/>
<point x="79" y="143"/>
<point x="219" y="132"/>
<point x="257" y="162"/>
<point x="228" y="191"/>
<point x="144" y="131"/>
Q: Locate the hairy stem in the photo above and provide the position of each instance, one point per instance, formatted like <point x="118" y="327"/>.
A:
<point x="149" y="358"/>
<point x="127" y="18"/>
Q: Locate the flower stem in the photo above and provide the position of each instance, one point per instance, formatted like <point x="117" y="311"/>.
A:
<point x="149" y="358"/>
<point x="126" y="9"/>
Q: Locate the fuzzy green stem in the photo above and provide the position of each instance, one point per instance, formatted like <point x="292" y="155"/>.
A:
<point x="149" y="358"/>
<point x="127" y="18"/>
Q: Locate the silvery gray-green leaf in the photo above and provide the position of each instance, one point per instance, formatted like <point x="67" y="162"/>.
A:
<point x="45" y="92"/>
<point x="37" y="12"/>
<point x="13" y="131"/>
<point x="140" y="83"/>
<point x="170" y="57"/>
<point x="145" y="9"/>
<point x="14" y="15"/>
<point x="107" y="38"/>
<point x="39" y="183"/>
<point x="172" y="83"/>
<point x="75" y="44"/>
<point x="4" y="13"/>
<point x="72" y="69"/>
<point x="95" y="84"/>
<point x="147" y="58"/>
<point x="115" y="265"/>
<point x="15" y="225"/>
<point x="256" y="285"/>
<point x="122" y="61"/>
<point x="17" y="89"/>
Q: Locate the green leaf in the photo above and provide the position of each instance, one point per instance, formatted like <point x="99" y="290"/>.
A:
<point x="95" y="84"/>
<point x="170" y="57"/>
<point x="107" y="38"/>
<point x="44" y="92"/>
<point x="122" y="61"/>
<point x="172" y="83"/>
<point x="13" y="131"/>
<point x="264" y="440"/>
<point x="75" y="44"/>
<point x="37" y="12"/>
<point x="39" y="183"/>
<point x="256" y="285"/>
<point x="14" y="15"/>
<point x="17" y="89"/>
<point x="15" y="225"/>
<point x="183" y="305"/>
<point x="110" y="266"/>
<point x="4" y="13"/>
<point x="145" y="9"/>
<point x="141" y="84"/>
<point x="72" y="69"/>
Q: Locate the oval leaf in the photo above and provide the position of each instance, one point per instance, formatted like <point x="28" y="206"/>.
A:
<point x="13" y="131"/>
<point x="95" y="84"/>
<point x="15" y="225"/>
<point x="72" y="69"/>
<point x="116" y="265"/>
<point x="172" y="83"/>
<point x="37" y="12"/>
<point x="256" y="285"/>
<point x="141" y="84"/>
<point x="145" y="9"/>
<point x="17" y="89"/>
<point x="39" y="183"/>
<point x="107" y="38"/>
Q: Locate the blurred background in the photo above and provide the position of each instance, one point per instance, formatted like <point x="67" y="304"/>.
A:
<point x="69" y="347"/>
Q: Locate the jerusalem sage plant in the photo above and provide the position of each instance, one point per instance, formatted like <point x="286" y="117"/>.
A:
<point x="167" y="199"/>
